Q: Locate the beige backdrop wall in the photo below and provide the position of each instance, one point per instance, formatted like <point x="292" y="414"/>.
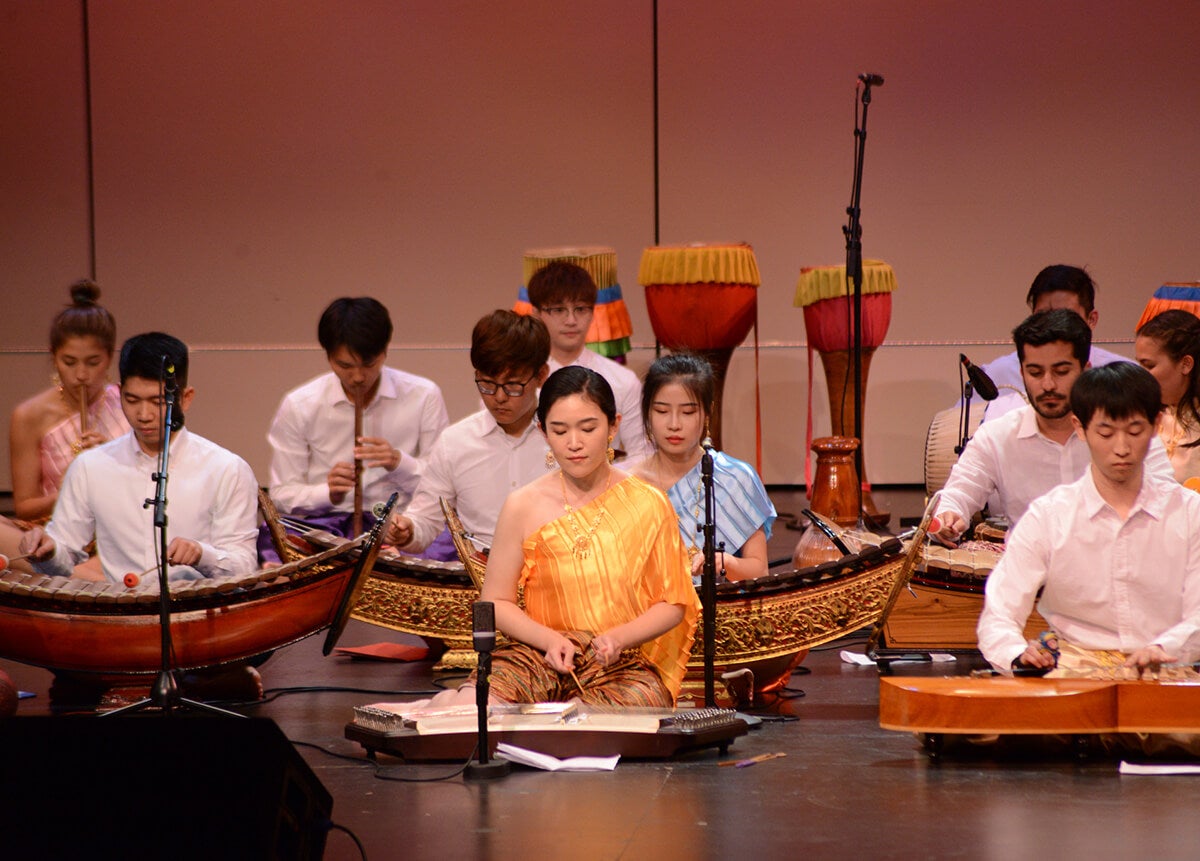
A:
<point x="253" y="160"/>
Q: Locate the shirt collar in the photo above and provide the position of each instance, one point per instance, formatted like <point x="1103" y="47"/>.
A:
<point x="178" y="445"/>
<point x="491" y="426"/>
<point x="387" y="389"/>
<point x="1147" y="500"/>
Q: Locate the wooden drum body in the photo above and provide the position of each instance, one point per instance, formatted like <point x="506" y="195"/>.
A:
<point x="825" y="295"/>
<point x="702" y="299"/>
<point x="81" y="626"/>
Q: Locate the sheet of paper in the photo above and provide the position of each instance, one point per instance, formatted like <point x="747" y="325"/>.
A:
<point x="1156" y="768"/>
<point x="550" y="763"/>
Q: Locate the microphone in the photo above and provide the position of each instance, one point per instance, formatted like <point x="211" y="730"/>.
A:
<point x="171" y="389"/>
<point x="871" y="80"/>
<point x="980" y="380"/>
<point x="483" y="626"/>
<point x="707" y="444"/>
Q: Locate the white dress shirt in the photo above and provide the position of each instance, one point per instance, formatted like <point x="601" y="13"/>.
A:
<point x="627" y="390"/>
<point x="212" y="498"/>
<point x="314" y="428"/>
<point x="1011" y="463"/>
<point x="474" y="465"/>
<point x="1106" y="583"/>
<point x="1005" y="372"/>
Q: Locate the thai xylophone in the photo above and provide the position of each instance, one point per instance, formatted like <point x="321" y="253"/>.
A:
<point x="558" y="729"/>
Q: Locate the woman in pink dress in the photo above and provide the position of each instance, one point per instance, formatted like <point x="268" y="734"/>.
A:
<point x="80" y="410"/>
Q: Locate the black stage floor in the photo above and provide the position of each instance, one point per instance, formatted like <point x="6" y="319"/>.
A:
<point x="845" y="788"/>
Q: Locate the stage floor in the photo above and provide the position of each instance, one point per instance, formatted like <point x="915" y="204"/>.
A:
<point x="845" y="788"/>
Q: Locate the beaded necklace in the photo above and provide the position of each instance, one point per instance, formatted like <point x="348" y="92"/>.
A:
<point x="581" y="544"/>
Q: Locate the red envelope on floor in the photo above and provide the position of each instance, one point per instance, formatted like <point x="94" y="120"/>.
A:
<point x="385" y="652"/>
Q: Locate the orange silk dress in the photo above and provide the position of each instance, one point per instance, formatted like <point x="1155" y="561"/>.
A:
<point x="635" y="558"/>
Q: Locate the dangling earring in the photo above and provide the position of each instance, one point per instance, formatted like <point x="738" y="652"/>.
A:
<point x="611" y="453"/>
<point x="707" y="431"/>
<point x="56" y="381"/>
<point x="550" y="461"/>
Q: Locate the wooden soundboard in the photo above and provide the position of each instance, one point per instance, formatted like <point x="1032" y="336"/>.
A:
<point x="1036" y="706"/>
<point x="677" y="733"/>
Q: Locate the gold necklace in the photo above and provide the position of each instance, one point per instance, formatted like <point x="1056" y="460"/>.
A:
<point x="581" y="544"/>
<point x="83" y="406"/>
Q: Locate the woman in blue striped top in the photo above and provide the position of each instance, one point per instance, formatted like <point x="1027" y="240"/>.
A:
<point x="677" y="396"/>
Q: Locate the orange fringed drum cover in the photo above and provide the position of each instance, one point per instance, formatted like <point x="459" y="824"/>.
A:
<point x="824" y="294"/>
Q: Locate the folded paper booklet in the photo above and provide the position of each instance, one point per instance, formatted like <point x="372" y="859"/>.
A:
<point x="551" y="763"/>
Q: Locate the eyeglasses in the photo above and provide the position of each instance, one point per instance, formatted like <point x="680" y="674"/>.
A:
<point x="560" y="311"/>
<point x="513" y="390"/>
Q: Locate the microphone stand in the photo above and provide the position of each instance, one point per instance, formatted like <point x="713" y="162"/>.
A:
<point x="164" y="694"/>
<point x="484" y="637"/>
<point x="708" y="577"/>
<point x="964" y="419"/>
<point x="854" y="274"/>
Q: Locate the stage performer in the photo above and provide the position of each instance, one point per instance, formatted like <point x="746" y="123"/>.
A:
<point x="563" y="296"/>
<point x="1115" y="554"/>
<point x="313" y="445"/>
<point x="1168" y="346"/>
<point x="212" y="504"/>
<point x="79" y="411"/>
<point x="677" y="398"/>
<point x="1012" y="461"/>
<point x="1057" y="286"/>
<point x="479" y="460"/>
<point x="610" y="610"/>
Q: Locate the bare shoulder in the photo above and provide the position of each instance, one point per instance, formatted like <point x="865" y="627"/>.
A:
<point x="34" y="415"/>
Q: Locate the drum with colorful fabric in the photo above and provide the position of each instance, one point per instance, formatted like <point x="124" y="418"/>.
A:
<point x="824" y="294"/>
<point x="703" y="299"/>
<point x="611" y="325"/>
<point x="1174" y="295"/>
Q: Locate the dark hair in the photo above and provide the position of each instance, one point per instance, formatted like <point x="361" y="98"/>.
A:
<point x="576" y="380"/>
<point x="147" y="355"/>
<point x="692" y="372"/>
<point x="507" y="341"/>
<point x="84" y="318"/>
<point x="1177" y="333"/>
<point x="561" y="281"/>
<point x="1059" y="324"/>
<point x="1067" y="279"/>
<point x="1122" y="389"/>
<point x="362" y="325"/>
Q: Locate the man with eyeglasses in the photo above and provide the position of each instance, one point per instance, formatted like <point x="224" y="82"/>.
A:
<point x="478" y="461"/>
<point x="563" y="296"/>
<point x="313" y="447"/>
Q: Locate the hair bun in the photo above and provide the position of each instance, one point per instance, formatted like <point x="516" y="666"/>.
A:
<point x="85" y="292"/>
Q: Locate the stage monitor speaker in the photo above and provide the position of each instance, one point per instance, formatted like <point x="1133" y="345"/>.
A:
<point x="154" y="786"/>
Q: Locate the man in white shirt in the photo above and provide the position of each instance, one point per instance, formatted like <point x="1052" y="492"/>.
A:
<point x="313" y="447"/>
<point x="212" y="504"/>
<point x="478" y="461"/>
<point x="1116" y="554"/>
<point x="1016" y="459"/>
<point x="563" y="296"/>
<point x="1057" y="286"/>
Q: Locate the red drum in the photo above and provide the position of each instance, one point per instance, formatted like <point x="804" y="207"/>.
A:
<point x="823" y="292"/>
<point x="702" y="299"/>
